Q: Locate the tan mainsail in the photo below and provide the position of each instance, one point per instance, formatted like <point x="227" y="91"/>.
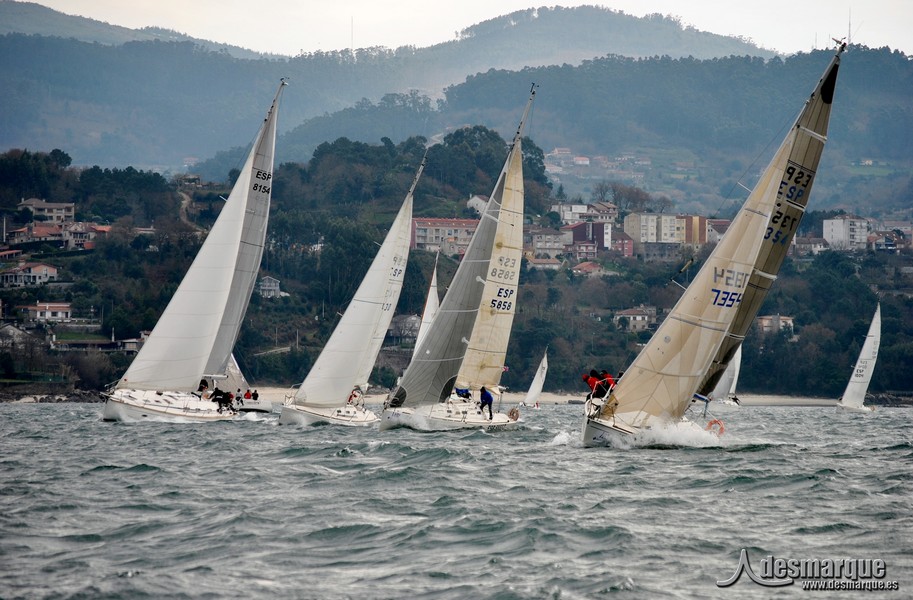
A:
<point x="432" y="373"/>
<point x="484" y="360"/>
<point x="798" y="166"/>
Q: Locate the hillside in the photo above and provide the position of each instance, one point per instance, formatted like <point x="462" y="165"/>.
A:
<point x="149" y="100"/>
<point x="698" y="126"/>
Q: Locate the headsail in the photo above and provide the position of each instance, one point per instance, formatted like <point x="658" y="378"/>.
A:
<point x="431" y="375"/>
<point x="432" y="303"/>
<point x="798" y="165"/>
<point x="535" y="388"/>
<point x="349" y="355"/>
<point x="203" y="309"/>
<point x="725" y="387"/>
<point x="854" y="395"/>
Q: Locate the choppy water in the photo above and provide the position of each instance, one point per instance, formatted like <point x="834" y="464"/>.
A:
<point x="252" y="510"/>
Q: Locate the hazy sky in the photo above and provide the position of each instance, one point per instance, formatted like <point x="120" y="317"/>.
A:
<point x="291" y="26"/>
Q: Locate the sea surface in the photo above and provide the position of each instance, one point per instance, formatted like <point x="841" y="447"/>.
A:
<point x="249" y="509"/>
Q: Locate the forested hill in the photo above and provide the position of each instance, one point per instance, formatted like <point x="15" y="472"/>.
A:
<point x="702" y="124"/>
<point x="76" y="83"/>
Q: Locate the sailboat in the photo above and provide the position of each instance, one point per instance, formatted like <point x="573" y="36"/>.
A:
<point x="660" y="384"/>
<point x="467" y="340"/>
<point x="854" y="396"/>
<point x="333" y="391"/>
<point x="535" y="388"/>
<point x="723" y="395"/>
<point x="798" y="176"/>
<point x="191" y="345"/>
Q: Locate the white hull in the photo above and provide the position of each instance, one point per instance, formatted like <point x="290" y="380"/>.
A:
<point x="445" y="416"/>
<point x="258" y="406"/>
<point x="615" y="431"/>
<point x="726" y="405"/>
<point x="179" y="407"/>
<point x="848" y="408"/>
<point x="348" y="415"/>
<point x="597" y="433"/>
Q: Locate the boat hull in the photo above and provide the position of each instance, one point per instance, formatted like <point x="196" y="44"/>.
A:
<point x="256" y="406"/>
<point x="600" y="433"/>
<point x="179" y="407"/>
<point x="859" y="409"/>
<point x="726" y="405"/>
<point x="348" y="415"/>
<point x="445" y="416"/>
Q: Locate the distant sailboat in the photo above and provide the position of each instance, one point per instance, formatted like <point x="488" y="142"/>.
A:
<point x="723" y="395"/>
<point x="660" y="384"/>
<point x="854" y="397"/>
<point x="467" y="341"/>
<point x="333" y="391"/>
<point x="535" y="388"/>
<point x="191" y="345"/>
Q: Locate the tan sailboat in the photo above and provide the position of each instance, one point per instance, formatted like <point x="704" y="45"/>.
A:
<point x="659" y="385"/>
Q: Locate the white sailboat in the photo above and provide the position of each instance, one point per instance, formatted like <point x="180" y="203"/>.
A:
<point x="467" y="341"/>
<point x="194" y="338"/>
<point x="853" y="398"/>
<point x="658" y="387"/>
<point x="333" y="391"/>
<point x="723" y="395"/>
<point x="535" y="388"/>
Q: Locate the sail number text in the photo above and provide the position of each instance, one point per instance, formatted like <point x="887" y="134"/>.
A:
<point x="262" y="176"/>
<point x="793" y="187"/>
<point x="729" y="278"/>
<point x="506" y="268"/>
<point x="502" y="302"/>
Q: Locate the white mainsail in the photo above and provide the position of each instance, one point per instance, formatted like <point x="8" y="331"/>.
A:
<point x="432" y="303"/>
<point x="432" y="373"/>
<point x="808" y="135"/>
<point x="349" y="355"/>
<point x="854" y="395"/>
<point x="535" y="388"/>
<point x="660" y="383"/>
<point x="197" y="331"/>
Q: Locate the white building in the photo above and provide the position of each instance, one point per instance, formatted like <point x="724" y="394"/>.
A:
<point x="846" y="232"/>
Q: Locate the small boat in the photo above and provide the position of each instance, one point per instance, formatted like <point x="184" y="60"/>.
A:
<point x="463" y="351"/>
<point x="692" y="346"/>
<point x="853" y="398"/>
<point x="191" y="344"/>
<point x="333" y="390"/>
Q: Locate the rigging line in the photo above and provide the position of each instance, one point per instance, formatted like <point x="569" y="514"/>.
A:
<point x="729" y="199"/>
